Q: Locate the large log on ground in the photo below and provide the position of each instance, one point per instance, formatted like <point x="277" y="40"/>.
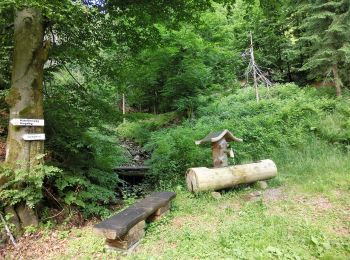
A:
<point x="205" y="179"/>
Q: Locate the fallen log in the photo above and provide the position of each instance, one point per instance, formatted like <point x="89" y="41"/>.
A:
<point x="205" y="179"/>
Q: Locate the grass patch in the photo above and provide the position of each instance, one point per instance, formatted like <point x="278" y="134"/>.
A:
<point x="296" y="224"/>
<point x="314" y="167"/>
<point x="203" y="228"/>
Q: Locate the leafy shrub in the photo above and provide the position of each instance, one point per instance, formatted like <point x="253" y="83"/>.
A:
<point x="24" y="186"/>
<point x="137" y="116"/>
<point x="140" y="131"/>
<point x="91" y="182"/>
<point x="336" y="127"/>
<point x="285" y="118"/>
<point x="83" y="142"/>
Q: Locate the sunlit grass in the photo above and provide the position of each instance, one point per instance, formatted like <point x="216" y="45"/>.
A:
<point x="297" y="225"/>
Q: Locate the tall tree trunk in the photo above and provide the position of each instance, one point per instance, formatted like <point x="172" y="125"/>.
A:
<point x="26" y="94"/>
<point x="289" y="73"/>
<point x="337" y="80"/>
<point x="254" y="68"/>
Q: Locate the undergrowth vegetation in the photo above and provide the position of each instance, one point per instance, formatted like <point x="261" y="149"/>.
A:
<point x="301" y="129"/>
<point x="83" y="142"/>
<point x="140" y="128"/>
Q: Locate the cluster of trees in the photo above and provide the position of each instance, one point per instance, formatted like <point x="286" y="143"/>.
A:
<point x="295" y="41"/>
<point x="69" y="61"/>
<point x="89" y="40"/>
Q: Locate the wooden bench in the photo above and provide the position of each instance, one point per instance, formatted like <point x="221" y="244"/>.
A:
<point x="125" y="229"/>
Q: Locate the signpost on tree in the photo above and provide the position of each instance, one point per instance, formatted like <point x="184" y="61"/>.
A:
<point x="34" y="137"/>
<point x="27" y="122"/>
<point x="26" y="99"/>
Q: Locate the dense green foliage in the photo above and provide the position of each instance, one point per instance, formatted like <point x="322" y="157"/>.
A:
<point x="288" y="118"/>
<point x="183" y="59"/>
<point x="83" y="141"/>
<point x="325" y="39"/>
<point x="90" y="41"/>
<point x="25" y="185"/>
<point x="140" y="130"/>
<point x="206" y="58"/>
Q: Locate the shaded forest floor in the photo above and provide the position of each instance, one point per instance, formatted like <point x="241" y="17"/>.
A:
<point x="283" y="222"/>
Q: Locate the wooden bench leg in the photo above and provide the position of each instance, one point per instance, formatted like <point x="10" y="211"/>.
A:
<point x="159" y="213"/>
<point x="129" y="239"/>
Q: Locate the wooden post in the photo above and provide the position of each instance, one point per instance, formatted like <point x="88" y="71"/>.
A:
<point x="129" y="239"/>
<point x="219" y="151"/>
<point x="157" y="215"/>
<point x="123" y="108"/>
<point x="254" y="68"/>
<point x="205" y="179"/>
<point x="337" y="80"/>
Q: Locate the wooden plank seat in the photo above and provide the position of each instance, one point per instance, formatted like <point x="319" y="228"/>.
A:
<point x="126" y="228"/>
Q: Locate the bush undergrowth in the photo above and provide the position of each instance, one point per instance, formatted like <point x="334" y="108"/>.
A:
<point x="83" y="142"/>
<point x="289" y="125"/>
<point x="141" y="130"/>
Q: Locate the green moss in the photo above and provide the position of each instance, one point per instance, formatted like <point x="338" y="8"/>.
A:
<point x="15" y="147"/>
<point x="26" y="112"/>
<point x="13" y="97"/>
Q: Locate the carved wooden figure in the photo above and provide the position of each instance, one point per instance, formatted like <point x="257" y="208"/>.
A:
<point x="219" y="143"/>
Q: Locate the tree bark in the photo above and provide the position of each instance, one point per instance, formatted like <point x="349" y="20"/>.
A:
<point x="205" y="179"/>
<point x="337" y="80"/>
<point x="254" y="68"/>
<point x="26" y="93"/>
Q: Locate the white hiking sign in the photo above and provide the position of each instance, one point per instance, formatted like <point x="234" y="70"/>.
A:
<point x="27" y="122"/>
<point x="33" y="137"/>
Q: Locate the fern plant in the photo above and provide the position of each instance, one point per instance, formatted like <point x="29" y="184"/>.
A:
<point x="24" y="185"/>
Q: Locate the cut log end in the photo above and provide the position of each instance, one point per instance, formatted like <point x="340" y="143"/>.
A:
<point x="191" y="180"/>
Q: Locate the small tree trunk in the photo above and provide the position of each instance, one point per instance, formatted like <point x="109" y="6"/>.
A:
<point x="123" y="108"/>
<point x="26" y="94"/>
<point x="337" y="80"/>
<point x="289" y="73"/>
<point x="254" y="68"/>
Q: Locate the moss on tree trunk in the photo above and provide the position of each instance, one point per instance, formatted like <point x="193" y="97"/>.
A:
<point x="26" y="96"/>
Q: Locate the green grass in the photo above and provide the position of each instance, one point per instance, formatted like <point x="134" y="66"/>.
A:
<point x="309" y="219"/>
<point x="206" y="228"/>
<point x="139" y="128"/>
<point x="306" y="135"/>
<point x="296" y="226"/>
<point x="315" y="167"/>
